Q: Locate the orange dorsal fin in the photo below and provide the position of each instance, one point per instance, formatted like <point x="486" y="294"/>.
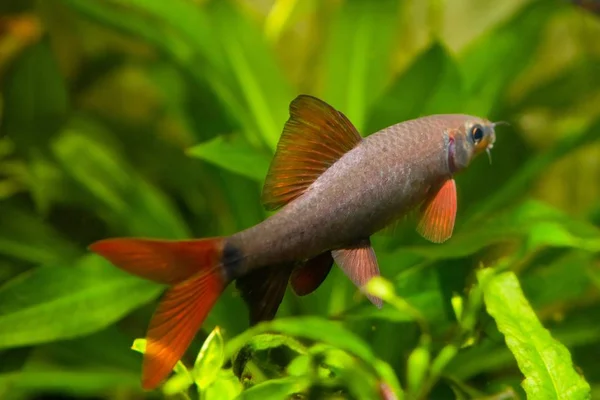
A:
<point x="314" y="137"/>
<point x="438" y="214"/>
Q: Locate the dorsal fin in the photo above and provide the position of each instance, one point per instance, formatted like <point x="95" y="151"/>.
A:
<point x="314" y="137"/>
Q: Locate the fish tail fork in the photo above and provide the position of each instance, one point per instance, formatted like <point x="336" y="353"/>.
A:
<point x="197" y="276"/>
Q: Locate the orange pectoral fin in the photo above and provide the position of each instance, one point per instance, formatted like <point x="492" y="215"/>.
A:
<point x="359" y="263"/>
<point x="438" y="214"/>
<point x="309" y="276"/>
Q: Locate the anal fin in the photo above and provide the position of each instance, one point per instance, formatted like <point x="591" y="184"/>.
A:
<point x="263" y="290"/>
<point x="359" y="263"/>
<point x="307" y="277"/>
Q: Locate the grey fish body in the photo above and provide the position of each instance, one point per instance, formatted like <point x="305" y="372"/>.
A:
<point x="333" y="190"/>
<point x="381" y="179"/>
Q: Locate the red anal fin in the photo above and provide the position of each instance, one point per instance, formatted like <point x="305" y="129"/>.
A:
<point x="359" y="263"/>
<point x="162" y="261"/>
<point x="263" y="290"/>
<point x="195" y="270"/>
<point x="314" y="137"/>
<point x="309" y="276"/>
<point x="438" y="214"/>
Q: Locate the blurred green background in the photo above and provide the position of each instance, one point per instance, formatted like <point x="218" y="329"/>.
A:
<point x="159" y="118"/>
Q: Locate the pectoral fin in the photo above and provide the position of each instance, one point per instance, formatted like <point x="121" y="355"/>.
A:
<point x="359" y="263"/>
<point x="438" y="214"/>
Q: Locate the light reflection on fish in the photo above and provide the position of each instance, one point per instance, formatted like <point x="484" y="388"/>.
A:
<point x="333" y="190"/>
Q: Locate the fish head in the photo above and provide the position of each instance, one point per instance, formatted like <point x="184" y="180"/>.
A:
<point x="469" y="137"/>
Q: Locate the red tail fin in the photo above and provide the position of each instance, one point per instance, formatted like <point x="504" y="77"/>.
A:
<point x="194" y="269"/>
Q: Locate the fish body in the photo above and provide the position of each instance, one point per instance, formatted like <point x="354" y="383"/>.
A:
<point x="381" y="179"/>
<point x="333" y="190"/>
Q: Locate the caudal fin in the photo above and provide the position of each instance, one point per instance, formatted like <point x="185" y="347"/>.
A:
<point x="195" y="272"/>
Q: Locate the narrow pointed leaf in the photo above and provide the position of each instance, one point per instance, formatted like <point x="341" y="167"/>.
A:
<point x="546" y="363"/>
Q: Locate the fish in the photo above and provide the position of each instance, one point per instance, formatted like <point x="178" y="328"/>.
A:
<point x="332" y="190"/>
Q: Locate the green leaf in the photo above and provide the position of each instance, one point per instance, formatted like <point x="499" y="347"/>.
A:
<point x="522" y="181"/>
<point x="253" y="73"/>
<point x="424" y="88"/>
<point x="563" y="280"/>
<point x="73" y="382"/>
<point x="275" y="389"/>
<point x="359" y="50"/>
<point x="234" y="156"/>
<point x="577" y="84"/>
<point x="28" y="238"/>
<point x="422" y="297"/>
<point x="322" y="331"/>
<point x="122" y="194"/>
<point x="226" y="387"/>
<point x="179" y="29"/>
<point x="35" y="96"/>
<point x="417" y="366"/>
<point x="209" y="360"/>
<point x="515" y="40"/>
<point x="545" y="362"/>
<point x="533" y="223"/>
<point x="67" y="302"/>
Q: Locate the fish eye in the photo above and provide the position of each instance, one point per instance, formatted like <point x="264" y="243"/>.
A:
<point x="477" y="133"/>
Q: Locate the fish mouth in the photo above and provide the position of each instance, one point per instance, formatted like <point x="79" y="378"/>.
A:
<point x="492" y="138"/>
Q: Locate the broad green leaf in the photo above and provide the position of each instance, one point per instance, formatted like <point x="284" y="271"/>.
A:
<point x="268" y="341"/>
<point x="275" y="389"/>
<point x="29" y="238"/>
<point x="421" y="296"/>
<point x="516" y="40"/>
<point x="35" y="98"/>
<point x="178" y="29"/>
<point x="52" y="303"/>
<point x="522" y="181"/>
<point x="545" y="362"/>
<point x="209" y="360"/>
<point x="442" y="359"/>
<point x="101" y="349"/>
<point x="337" y="364"/>
<point x="251" y="66"/>
<point x="72" y="382"/>
<point x="533" y="223"/>
<point x="182" y="32"/>
<point x="431" y="84"/>
<point x="322" y="331"/>
<point x="283" y="14"/>
<point x="226" y="387"/>
<point x="575" y="85"/>
<point x="359" y="50"/>
<point x="234" y="156"/>
<point x="417" y="366"/>
<point x="564" y="280"/>
<point x="123" y="195"/>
